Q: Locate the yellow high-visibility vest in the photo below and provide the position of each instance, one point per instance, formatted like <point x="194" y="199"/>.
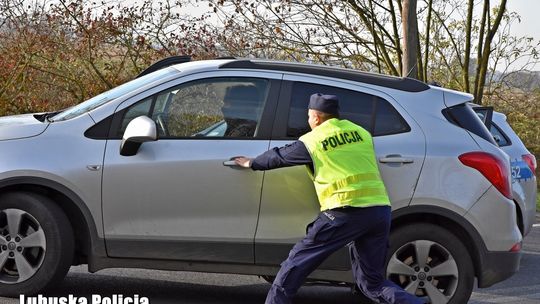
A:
<point x="345" y="167"/>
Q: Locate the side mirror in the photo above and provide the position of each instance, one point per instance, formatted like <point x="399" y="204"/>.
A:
<point x="139" y="130"/>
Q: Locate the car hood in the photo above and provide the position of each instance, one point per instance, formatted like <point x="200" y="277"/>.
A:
<point x="20" y="126"/>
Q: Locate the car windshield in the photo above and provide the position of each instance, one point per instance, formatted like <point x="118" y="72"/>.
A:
<point x="112" y="94"/>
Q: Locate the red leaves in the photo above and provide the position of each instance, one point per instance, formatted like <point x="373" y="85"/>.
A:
<point x="61" y="54"/>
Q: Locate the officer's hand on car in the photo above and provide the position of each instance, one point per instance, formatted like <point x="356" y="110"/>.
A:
<point x="243" y="161"/>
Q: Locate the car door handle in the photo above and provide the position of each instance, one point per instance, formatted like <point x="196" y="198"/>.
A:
<point x="230" y="163"/>
<point x="390" y="159"/>
<point x="93" y="167"/>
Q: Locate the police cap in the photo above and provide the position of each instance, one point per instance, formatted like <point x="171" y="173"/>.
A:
<point x="324" y="103"/>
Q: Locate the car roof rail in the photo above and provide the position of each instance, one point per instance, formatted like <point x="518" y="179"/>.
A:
<point x="165" y="62"/>
<point x="398" y="83"/>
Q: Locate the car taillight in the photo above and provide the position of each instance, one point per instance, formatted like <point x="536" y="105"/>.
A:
<point x="516" y="247"/>
<point x="491" y="167"/>
<point x="531" y="162"/>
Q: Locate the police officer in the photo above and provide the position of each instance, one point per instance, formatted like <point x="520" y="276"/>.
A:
<point x="354" y="204"/>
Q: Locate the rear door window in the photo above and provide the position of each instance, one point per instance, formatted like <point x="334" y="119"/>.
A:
<point x="371" y="112"/>
<point x="387" y="119"/>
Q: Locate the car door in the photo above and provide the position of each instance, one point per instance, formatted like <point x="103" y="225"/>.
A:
<point x="177" y="198"/>
<point x="289" y="201"/>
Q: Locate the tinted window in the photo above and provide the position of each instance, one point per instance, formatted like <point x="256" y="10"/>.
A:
<point x="387" y="120"/>
<point x="463" y="116"/>
<point x="499" y="136"/>
<point x="484" y="113"/>
<point x="214" y="107"/>
<point x="357" y="107"/>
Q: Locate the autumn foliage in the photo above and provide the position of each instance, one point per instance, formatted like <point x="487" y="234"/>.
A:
<point x="55" y="55"/>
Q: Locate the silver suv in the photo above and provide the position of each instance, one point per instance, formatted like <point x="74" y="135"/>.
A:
<point x="140" y="176"/>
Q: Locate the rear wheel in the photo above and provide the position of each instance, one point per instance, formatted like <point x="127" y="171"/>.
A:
<point x="430" y="262"/>
<point x="36" y="243"/>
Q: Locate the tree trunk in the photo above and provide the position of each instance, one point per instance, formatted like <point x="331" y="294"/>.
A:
<point x="466" y="60"/>
<point x="428" y="29"/>
<point x="419" y="64"/>
<point x="487" y="52"/>
<point x="397" y="41"/>
<point x="480" y="48"/>
<point x="410" y="39"/>
<point x="373" y="26"/>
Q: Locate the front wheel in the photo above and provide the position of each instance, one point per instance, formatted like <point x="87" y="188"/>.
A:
<point x="430" y="262"/>
<point x="36" y="243"/>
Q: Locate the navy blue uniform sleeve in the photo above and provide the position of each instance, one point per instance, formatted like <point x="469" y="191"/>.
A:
<point x="292" y="154"/>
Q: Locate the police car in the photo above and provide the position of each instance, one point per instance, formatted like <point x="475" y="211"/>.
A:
<point x="522" y="164"/>
<point x="523" y="171"/>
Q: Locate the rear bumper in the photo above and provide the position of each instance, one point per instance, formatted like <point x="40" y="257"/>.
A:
<point x="497" y="266"/>
<point x="529" y="216"/>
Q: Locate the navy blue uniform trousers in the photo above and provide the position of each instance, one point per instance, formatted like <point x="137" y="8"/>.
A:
<point x="366" y="229"/>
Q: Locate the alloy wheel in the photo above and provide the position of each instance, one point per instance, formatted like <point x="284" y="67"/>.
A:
<point x="425" y="269"/>
<point x="22" y="246"/>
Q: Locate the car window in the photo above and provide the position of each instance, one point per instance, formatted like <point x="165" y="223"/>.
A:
<point x="388" y="120"/>
<point x="141" y="108"/>
<point x="360" y="108"/>
<point x="464" y="116"/>
<point x="498" y="135"/>
<point x="214" y="107"/>
<point x="484" y="113"/>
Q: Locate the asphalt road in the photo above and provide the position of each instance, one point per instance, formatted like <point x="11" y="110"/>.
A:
<point x="196" y="288"/>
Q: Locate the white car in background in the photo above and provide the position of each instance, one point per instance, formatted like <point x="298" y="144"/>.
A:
<point x="523" y="165"/>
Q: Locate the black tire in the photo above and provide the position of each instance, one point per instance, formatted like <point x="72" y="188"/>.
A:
<point x="50" y="259"/>
<point x="454" y="278"/>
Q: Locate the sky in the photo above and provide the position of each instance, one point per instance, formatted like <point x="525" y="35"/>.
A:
<point x="530" y="22"/>
<point x="529" y="11"/>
